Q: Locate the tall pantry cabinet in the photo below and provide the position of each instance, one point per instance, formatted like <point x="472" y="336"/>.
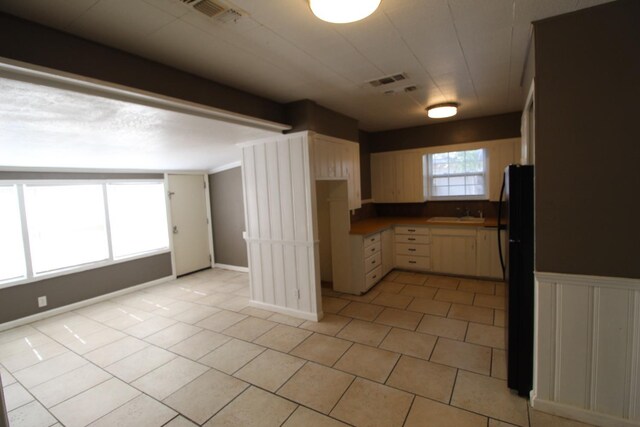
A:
<point x="279" y="182"/>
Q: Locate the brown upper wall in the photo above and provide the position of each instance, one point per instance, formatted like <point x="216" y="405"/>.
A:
<point x="36" y="44"/>
<point x="307" y="115"/>
<point x="455" y="132"/>
<point x="587" y="141"/>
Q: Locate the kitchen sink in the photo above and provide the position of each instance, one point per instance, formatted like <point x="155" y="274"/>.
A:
<point x="456" y="219"/>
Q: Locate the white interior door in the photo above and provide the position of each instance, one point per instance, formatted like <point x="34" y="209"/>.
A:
<point x="189" y="223"/>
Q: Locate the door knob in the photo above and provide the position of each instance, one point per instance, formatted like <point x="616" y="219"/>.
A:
<point x="175" y="229"/>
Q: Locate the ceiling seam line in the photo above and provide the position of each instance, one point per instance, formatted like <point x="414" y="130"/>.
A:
<point x="414" y="55"/>
<point x="466" y="63"/>
<point x="513" y="20"/>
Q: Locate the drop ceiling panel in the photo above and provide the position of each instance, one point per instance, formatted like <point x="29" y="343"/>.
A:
<point x="117" y="22"/>
<point x="57" y="13"/>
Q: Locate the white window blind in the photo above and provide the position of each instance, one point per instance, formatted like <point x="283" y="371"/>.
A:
<point x="66" y="224"/>
<point x="138" y="218"/>
<point x="458" y="175"/>
<point x="73" y="226"/>
<point x="12" y="263"/>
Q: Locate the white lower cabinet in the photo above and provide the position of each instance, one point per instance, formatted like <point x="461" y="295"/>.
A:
<point x="366" y="264"/>
<point x="453" y="250"/>
<point x="413" y="248"/>
<point x="463" y="251"/>
<point x="386" y="248"/>
<point x="487" y="255"/>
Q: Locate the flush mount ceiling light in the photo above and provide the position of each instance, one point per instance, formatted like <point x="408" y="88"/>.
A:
<point x="341" y="11"/>
<point x="440" y="111"/>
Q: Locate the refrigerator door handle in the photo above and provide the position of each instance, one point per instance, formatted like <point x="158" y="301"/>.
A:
<point x="499" y="220"/>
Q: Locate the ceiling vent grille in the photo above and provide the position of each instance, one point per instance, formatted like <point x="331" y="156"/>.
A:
<point x="214" y="9"/>
<point x="388" y="80"/>
<point x="209" y="8"/>
<point x="398" y="90"/>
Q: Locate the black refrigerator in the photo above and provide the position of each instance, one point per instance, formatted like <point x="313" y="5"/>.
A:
<point x="518" y="265"/>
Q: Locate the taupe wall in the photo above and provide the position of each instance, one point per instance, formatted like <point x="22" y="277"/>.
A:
<point x="454" y="132"/>
<point x="588" y="141"/>
<point x="227" y="222"/>
<point x="29" y="42"/>
<point x="21" y="300"/>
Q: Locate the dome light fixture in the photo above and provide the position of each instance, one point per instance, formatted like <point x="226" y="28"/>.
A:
<point x="440" y="111"/>
<point x="341" y="11"/>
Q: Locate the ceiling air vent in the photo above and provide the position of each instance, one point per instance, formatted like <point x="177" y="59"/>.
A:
<point x="214" y="9"/>
<point x="209" y="8"/>
<point x="397" y="90"/>
<point x="388" y="80"/>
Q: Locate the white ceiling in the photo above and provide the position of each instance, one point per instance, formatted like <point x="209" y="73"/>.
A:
<point x="468" y="51"/>
<point x="43" y="126"/>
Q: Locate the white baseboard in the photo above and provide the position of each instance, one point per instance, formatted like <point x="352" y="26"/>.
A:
<point x="583" y="415"/>
<point x="315" y="317"/>
<point x="80" y="304"/>
<point x="232" y="267"/>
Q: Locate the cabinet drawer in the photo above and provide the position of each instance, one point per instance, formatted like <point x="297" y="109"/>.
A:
<point x="413" y="239"/>
<point x="373" y="277"/>
<point x="370" y="240"/>
<point x="372" y="262"/>
<point x="413" y="262"/>
<point x="412" y="230"/>
<point x="372" y="249"/>
<point x="412" y="249"/>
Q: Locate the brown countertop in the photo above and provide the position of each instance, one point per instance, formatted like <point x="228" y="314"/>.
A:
<point x="374" y="225"/>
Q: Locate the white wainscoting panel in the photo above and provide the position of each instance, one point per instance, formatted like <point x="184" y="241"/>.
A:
<point x="587" y="348"/>
<point x="279" y="199"/>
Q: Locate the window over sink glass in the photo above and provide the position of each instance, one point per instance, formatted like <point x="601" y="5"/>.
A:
<point x="458" y="175"/>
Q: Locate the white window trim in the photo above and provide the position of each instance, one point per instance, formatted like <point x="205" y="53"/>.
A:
<point x="484" y="173"/>
<point x="30" y="276"/>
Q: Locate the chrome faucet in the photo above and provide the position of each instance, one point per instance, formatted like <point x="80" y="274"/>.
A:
<point x="463" y="212"/>
<point x="480" y="213"/>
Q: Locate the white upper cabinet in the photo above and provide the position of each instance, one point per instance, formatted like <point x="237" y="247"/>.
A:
<point x="398" y="177"/>
<point x="337" y="159"/>
<point x="501" y="155"/>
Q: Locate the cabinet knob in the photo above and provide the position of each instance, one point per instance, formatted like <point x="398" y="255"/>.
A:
<point x="412" y="262"/>
<point x="412" y="250"/>
<point x="411" y="239"/>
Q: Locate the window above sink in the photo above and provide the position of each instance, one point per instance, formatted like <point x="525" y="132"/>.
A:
<point x="458" y="175"/>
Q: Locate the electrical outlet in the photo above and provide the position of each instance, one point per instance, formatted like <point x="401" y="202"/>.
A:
<point x="42" y="302"/>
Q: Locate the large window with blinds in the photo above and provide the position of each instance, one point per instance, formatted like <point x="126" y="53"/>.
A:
<point x="52" y="228"/>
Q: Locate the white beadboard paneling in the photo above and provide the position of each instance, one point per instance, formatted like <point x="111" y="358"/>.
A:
<point x="272" y="191"/>
<point x="612" y="352"/>
<point x="286" y="189"/>
<point x="587" y="348"/>
<point x="544" y="342"/>
<point x="280" y="216"/>
<point x="634" y="380"/>
<point x="260" y="165"/>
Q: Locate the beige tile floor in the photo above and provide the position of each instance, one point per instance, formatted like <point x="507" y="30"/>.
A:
<point x="416" y="350"/>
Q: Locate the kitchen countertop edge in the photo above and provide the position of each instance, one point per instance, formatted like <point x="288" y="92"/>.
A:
<point x="375" y="225"/>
